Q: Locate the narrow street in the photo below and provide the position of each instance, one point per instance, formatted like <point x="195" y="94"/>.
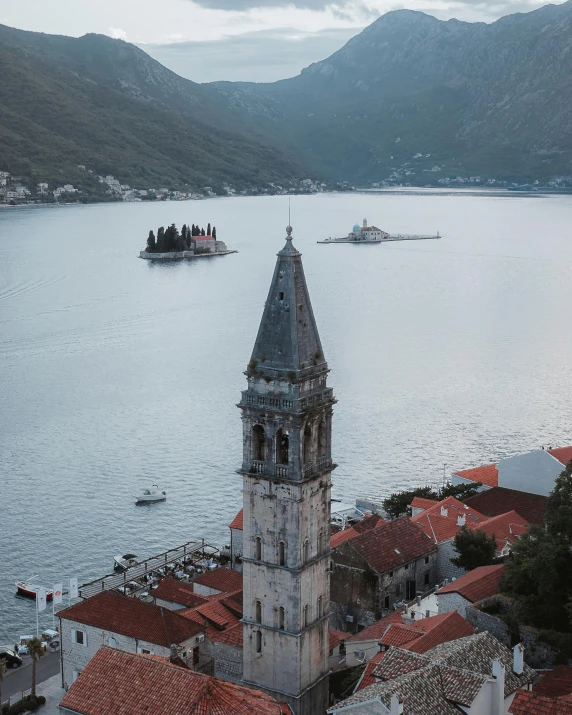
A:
<point x="18" y="679"/>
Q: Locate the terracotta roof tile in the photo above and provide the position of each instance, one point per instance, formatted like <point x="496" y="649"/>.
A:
<point x="500" y="500"/>
<point x="556" y="683"/>
<point x="377" y="629"/>
<point x="562" y="454"/>
<point x="214" y="612"/>
<point x="369" y="523"/>
<point x="531" y="703"/>
<point x="232" y="636"/>
<point x="221" y="579"/>
<point x="342" y="536"/>
<point x="169" y="589"/>
<point x="113" y="612"/>
<point x="487" y="475"/>
<point x="439" y="522"/>
<point x="421" y="503"/>
<point x="368" y="677"/>
<point x="506" y="528"/>
<point x="475" y="585"/>
<point x="392" y="543"/>
<point x="238" y="521"/>
<point x="426" y="633"/>
<point x="336" y="637"/>
<point x="117" y="683"/>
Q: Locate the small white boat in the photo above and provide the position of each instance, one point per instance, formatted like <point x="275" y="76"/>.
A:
<point x="153" y="494"/>
<point x="122" y="563"/>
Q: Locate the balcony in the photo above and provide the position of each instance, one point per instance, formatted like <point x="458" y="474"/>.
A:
<point x="282" y="471"/>
<point x="257" y="467"/>
<point x="319" y="465"/>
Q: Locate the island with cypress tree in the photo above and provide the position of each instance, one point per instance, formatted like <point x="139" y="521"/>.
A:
<point x="191" y="242"/>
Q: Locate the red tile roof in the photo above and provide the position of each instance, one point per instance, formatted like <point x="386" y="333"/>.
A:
<point x="557" y="683"/>
<point x="238" y="521"/>
<point x="369" y="523"/>
<point x="487" y="475"/>
<point x="118" y="683"/>
<point x="341" y="536"/>
<point x="392" y="543"/>
<point x="426" y="633"/>
<point x="377" y="629"/>
<point x="368" y="677"/>
<point x="530" y="703"/>
<point x="336" y="637"/>
<point x="214" y="612"/>
<point x="232" y="636"/>
<point x="562" y="454"/>
<point x="421" y="503"/>
<point x="499" y="500"/>
<point x="479" y="583"/>
<point x="115" y="613"/>
<point x="506" y="528"/>
<point x="443" y="527"/>
<point x="173" y="591"/>
<point x="221" y="579"/>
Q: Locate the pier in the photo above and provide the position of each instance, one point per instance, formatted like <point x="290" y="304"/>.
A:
<point x="188" y="551"/>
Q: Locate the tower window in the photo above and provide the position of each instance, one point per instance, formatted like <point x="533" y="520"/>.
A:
<point x="258" y="548"/>
<point x="320" y="606"/>
<point x="282" y="446"/>
<point x="281" y="617"/>
<point x="306" y="554"/>
<point x="321" y="541"/>
<point x="306" y="616"/>
<point x="281" y="554"/>
<point x="258" y="611"/>
<point x="307" y="445"/>
<point x="258" y="443"/>
<point x="322" y="439"/>
<point x="258" y="641"/>
<point x="280" y="296"/>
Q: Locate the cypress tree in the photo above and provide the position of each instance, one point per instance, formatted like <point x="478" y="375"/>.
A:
<point x="203" y="232"/>
<point x="208" y="229"/>
<point x="161" y="240"/>
<point x="214" y="232"/>
<point x="151" y="246"/>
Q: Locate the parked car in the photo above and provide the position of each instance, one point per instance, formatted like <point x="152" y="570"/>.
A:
<point x="12" y="659"/>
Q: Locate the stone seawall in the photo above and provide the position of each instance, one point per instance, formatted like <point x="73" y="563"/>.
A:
<point x="178" y="255"/>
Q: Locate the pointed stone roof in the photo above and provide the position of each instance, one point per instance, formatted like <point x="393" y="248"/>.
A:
<point x="288" y="340"/>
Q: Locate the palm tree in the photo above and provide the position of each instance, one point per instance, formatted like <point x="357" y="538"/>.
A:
<point x="36" y="651"/>
<point x="3" y="669"/>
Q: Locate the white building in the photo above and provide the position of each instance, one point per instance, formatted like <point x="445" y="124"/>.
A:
<point x="111" y="619"/>
<point x="367" y="233"/>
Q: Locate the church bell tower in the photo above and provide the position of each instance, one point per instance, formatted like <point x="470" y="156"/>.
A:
<point x="286" y="469"/>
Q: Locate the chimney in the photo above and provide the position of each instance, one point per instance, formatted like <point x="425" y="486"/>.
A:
<point x="444" y="511"/>
<point x="396" y="706"/>
<point x="498" y="689"/>
<point x="461" y="520"/>
<point x="518" y="659"/>
<point x="174" y="652"/>
<point x="418" y="599"/>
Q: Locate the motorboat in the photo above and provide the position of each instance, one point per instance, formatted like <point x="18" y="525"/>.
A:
<point x="30" y="590"/>
<point x="122" y="563"/>
<point x="148" y="496"/>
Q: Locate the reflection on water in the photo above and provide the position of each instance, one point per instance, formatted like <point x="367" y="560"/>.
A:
<point x="117" y="373"/>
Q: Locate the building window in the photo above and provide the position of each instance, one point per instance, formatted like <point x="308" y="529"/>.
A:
<point x="145" y="651"/>
<point x="280" y="296"/>
<point x="196" y="655"/>
<point x="307" y="445"/>
<point x="426" y="559"/>
<point x="281" y="618"/>
<point x="306" y="554"/>
<point x="75" y="675"/>
<point x="320" y="606"/>
<point x="258" y="641"/>
<point x="258" y="611"/>
<point x="306" y="616"/>
<point x="258" y="548"/>
<point x="322" y="439"/>
<point x="321" y="541"/>
<point x="79" y="637"/>
<point x="258" y="443"/>
<point x="426" y="579"/>
<point x="282" y="445"/>
<point x="398" y="589"/>
<point x="281" y="554"/>
<point x="391" y="574"/>
<point x="112" y="642"/>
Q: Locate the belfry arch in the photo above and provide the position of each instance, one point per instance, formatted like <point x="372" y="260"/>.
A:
<point x="258" y="443"/>
<point x="282" y="446"/>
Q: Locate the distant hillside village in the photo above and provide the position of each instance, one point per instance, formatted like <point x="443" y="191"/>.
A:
<point x="93" y="188"/>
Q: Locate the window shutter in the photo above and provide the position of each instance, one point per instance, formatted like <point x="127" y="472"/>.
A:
<point x="85" y="639"/>
<point x="73" y="635"/>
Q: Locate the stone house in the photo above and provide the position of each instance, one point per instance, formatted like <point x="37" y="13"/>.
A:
<point x="118" y="682"/>
<point x="112" y="619"/>
<point x="475" y="585"/>
<point x="337" y="655"/>
<point x="442" y="521"/>
<point x="533" y="472"/>
<point x="378" y="568"/>
<point x="475" y="674"/>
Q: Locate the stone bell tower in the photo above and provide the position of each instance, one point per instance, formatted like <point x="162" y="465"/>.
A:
<point x="286" y="469"/>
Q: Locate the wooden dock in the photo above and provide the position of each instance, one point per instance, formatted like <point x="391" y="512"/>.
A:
<point x="191" y="550"/>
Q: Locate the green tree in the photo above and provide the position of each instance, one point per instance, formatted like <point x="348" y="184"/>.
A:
<point x="538" y="572"/>
<point x="202" y="232"/>
<point x="459" y="491"/>
<point x="475" y="549"/>
<point x="398" y="504"/>
<point x="208" y="229"/>
<point x="161" y="240"/>
<point x="214" y="232"/>
<point x="36" y="651"/>
<point x="151" y="245"/>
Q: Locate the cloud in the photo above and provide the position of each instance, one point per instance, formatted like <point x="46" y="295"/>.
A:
<point x="117" y="33"/>
<point x="262" y="56"/>
<point x="239" y="5"/>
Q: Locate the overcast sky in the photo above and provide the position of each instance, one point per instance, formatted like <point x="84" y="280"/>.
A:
<point x="251" y="40"/>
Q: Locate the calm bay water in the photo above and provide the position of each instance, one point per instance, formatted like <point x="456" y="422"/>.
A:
<point x="116" y="372"/>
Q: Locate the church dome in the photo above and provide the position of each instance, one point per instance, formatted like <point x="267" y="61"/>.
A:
<point x="356" y="229"/>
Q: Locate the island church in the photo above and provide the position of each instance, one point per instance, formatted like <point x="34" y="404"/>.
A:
<point x="286" y="470"/>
